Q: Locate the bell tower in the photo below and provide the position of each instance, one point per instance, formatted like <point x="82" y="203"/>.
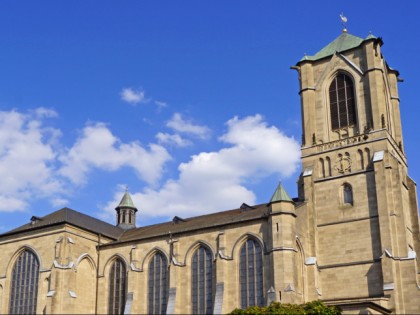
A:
<point x="359" y="204"/>
<point x="126" y="212"/>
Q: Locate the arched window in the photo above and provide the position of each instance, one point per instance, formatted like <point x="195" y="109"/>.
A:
<point x="321" y="168"/>
<point x="158" y="284"/>
<point x="342" y="103"/>
<point x="361" y="159"/>
<point x="251" y="274"/>
<point x="347" y="194"/>
<point x="202" y="281"/>
<point x="24" y="286"/>
<point x="117" y="287"/>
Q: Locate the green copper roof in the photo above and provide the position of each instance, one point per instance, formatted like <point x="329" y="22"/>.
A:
<point x="280" y="194"/>
<point x="126" y="201"/>
<point x="343" y="42"/>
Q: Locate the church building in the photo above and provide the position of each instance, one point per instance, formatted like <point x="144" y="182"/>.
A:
<point x="349" y="238"/>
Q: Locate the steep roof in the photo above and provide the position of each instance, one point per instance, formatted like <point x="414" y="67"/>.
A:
<point x="280" y="194"/>
<point x="343" y="42"/>
<point x="73" y="217"/>
<point x="179" y="225"/>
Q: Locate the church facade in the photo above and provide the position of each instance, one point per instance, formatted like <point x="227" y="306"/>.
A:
<point x="349" y="238"/>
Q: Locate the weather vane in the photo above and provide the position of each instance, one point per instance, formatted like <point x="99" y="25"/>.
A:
<point x="343" y="21"/>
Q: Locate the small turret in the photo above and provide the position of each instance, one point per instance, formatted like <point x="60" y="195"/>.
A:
<point x="126" y="212"/>
<point x="280" y="194"/>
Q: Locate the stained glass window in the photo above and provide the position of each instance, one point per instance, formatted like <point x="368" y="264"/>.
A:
<point x="117" y="287"/>
<point x="202" y="281"/>
<point x="251" y="274"/>
<point x="158" y="284"/>
<point x="24" y="286"/>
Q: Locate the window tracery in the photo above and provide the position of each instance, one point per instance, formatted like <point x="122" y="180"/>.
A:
<point x="251" y="274"/>
<point x="24" y="286"/>
<point x="202" y="281"/>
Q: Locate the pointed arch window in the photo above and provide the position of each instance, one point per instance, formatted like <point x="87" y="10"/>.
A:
<point x="202" y="281"/>
<point x="251" y="274"/>
<point x="158" y="284"/>
<point x="342" y="102"/>
<point x="24" y="286"/>
<point x="117" y="287"/>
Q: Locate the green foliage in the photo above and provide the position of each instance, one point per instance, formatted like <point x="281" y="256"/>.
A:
<point x="310" y="308"/>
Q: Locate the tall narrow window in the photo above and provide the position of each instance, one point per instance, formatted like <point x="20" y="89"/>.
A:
<point x="361" y="160"/>
<point x="158" y="284"/>
<point x="24" y="286"/>
<point x="321" y="168"/>
<point x="347" y="194"/>
<point x="342" y="104"/>
<point x="328" y="166"/>
<point x="202" y="281"/>
<point x="251" y="274"/>
<point x="117" y="287"/>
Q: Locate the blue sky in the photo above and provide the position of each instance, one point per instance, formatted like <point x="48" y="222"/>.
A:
<point x="191" y="104"/>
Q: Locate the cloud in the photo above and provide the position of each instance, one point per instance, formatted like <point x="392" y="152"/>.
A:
<point x="216" y="181"/>
<point x="161" y="104"/>
<point x="179" y="124"/>
<point x="98" y="148"/>
<point x="172" y="139"/>
<point x="27" y="156"/>
<point x="133" y="96"/>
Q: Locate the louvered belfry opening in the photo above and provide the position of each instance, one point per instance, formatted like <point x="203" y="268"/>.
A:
<point x="342" y="103"/>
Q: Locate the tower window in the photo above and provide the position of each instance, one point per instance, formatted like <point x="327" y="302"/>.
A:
<point x="24" y="285"/>
<point x="251" y="274"/>
<point x="342" y="103"/>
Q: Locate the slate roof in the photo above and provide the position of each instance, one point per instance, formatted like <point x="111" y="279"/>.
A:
<point x="73" y="217"/>
<point x="178" y="225"/>
<point x="342" y="43"/>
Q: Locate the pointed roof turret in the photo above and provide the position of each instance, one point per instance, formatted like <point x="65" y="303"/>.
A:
<point x="126" y="212"/>
<point x="280" y="194"/>
<point x="126" y="201"/>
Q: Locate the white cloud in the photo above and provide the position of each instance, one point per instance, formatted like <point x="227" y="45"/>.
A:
<point x="215" y="181"/>
<point x="98" y="148"/>
<point x="27" y="156"/>
<point x="161" y="104"/>
<point x="133" y="96"/>
<point x="59" y="202"/>
<point x="172" y="139"/>
<point x="42" y="112"/>
<point x="181" y="125"/>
